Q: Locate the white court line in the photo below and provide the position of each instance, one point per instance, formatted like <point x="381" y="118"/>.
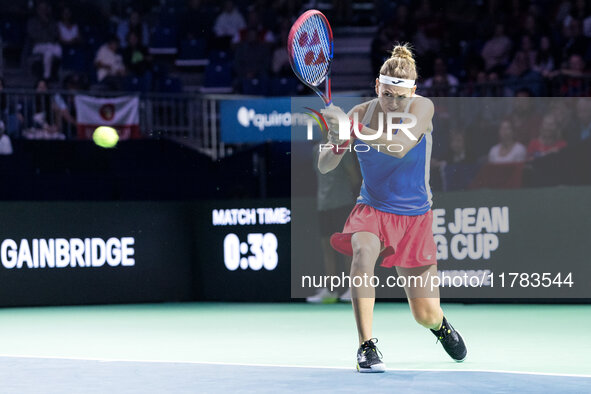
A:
<point x="352" y="368"/>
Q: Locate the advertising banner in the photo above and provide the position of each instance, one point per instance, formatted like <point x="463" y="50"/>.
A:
<point x="94" y="252"/>
<point x="490" y="244"/>
<point x="502" y="244"/>
<point x="527" y="243"/>
<point x="260" y="120"/>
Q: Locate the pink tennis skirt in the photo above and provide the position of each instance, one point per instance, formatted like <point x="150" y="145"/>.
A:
<point x="407" y="240"/>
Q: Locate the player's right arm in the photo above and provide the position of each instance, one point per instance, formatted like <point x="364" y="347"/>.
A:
<point x="328" y="160"/>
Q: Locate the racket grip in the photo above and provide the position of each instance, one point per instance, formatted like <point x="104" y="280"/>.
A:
<point x="340" y="149"/>
<point x="360" y="126"/>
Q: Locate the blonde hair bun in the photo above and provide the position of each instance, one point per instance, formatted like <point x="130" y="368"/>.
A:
<point x="402" y="51"/>
<point x="401" y="63"/>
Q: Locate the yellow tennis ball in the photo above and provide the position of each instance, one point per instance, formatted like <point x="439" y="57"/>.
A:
<point x="105" y="136"/>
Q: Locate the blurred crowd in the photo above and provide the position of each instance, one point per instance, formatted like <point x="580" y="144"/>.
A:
<point x="532" y="141"/>
<point x="518" y="48"/>
<point x="461" y="45"/>
<point x="113" y="45"/>
<point x="525" y="44"/>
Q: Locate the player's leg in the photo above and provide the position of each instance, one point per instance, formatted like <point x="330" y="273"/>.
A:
<point x="422" y="298"/>
<point x="346" y="264"/>
<point x="424" y="302"/>
<point x="366" y="249"/>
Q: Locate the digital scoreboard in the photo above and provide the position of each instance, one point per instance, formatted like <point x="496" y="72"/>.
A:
<point x="244" y="250"/>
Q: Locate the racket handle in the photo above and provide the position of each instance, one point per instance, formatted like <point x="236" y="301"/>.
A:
<point x="340" y="149"/>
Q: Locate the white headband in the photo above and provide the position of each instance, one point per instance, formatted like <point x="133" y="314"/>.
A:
<point x="403" y="83"/>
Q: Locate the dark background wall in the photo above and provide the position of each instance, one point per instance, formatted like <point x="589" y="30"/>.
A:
<point x="139" y="170"/>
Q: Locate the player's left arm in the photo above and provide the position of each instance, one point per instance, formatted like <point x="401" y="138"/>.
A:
<point x="422" y="108"/>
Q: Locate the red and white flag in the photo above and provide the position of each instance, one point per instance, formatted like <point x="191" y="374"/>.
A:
<point x="121" y="113"/>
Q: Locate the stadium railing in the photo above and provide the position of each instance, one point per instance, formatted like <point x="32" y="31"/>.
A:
<point x="193" y="118"/>
<point x="189" y="118"/>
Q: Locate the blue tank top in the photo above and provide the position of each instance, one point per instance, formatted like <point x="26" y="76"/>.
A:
<point x="394" y="185"/>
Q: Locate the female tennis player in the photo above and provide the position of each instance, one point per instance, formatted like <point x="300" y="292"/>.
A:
<point x="392" y="217"/>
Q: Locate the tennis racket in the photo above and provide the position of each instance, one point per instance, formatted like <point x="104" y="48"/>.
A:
<point x="310" y="49"/>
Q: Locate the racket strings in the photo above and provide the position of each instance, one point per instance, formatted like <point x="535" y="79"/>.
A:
<point x="312" y="64"/>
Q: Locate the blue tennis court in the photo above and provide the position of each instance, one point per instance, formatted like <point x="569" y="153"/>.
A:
<point x="34" y="375"/>
<point x="222" y="348"/>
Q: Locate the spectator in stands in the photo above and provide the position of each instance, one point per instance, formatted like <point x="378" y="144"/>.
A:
<point x="11" y="112"/>
<point x="575" y="66"/>
<point x="574" y="85"/>
<point x="457" y="148"/>
<point x="197" y="11"/>
<point x="441" y="77"/>
<point x="343" y="11"/>
<point x="587" y="27"/>
<point x="496" y="50"/>
<point x="136" y="25"/>
<point x="474" y="75"/>
<point x="581" y="9"/>
<point x="44" y="112"/>
<point x="531" y="25"/>
<point x="3" y="100"/>
<point x="422" y="43"/>
<point x="280" y="63"/>
<point x="457" y="151"/>
<point x="572" y="40"/>
<point x="585" y="15"/>
<point x="521" y="75"/>
<point x="430" y="27"/>
<point x="549" y="140"/>
<point x="563" y="11"/>
<point x="42" y="105"/>
<point x="519" y="65"/>
<point x="42" y="32"/>
<point x="582" y="129"/>
<point x="439" y="87"/>
<point x="458" y="165"/>
<point x="507" y="150"/>
<point x="487" y="85"/>
<point x="524" y="117"/>
<point x="402" y="23"/>
<point x="544" y="62"/>
<point x="381" y="46"/>
<point x="64" y="106"/>
<point x="109" y="64"/>
<point x="254" y="23"/>
<point x="270" y="13"/>
<point x="5" y="144"/>
<point x="428" y="31"/>
<point x="69" y="33"/>
<point x="563" y="112"/>
<point x="251" y="59"/>
<point x="527" y="47"/>
<point x="229" y="22"/>
<point x="136" y="58"/>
